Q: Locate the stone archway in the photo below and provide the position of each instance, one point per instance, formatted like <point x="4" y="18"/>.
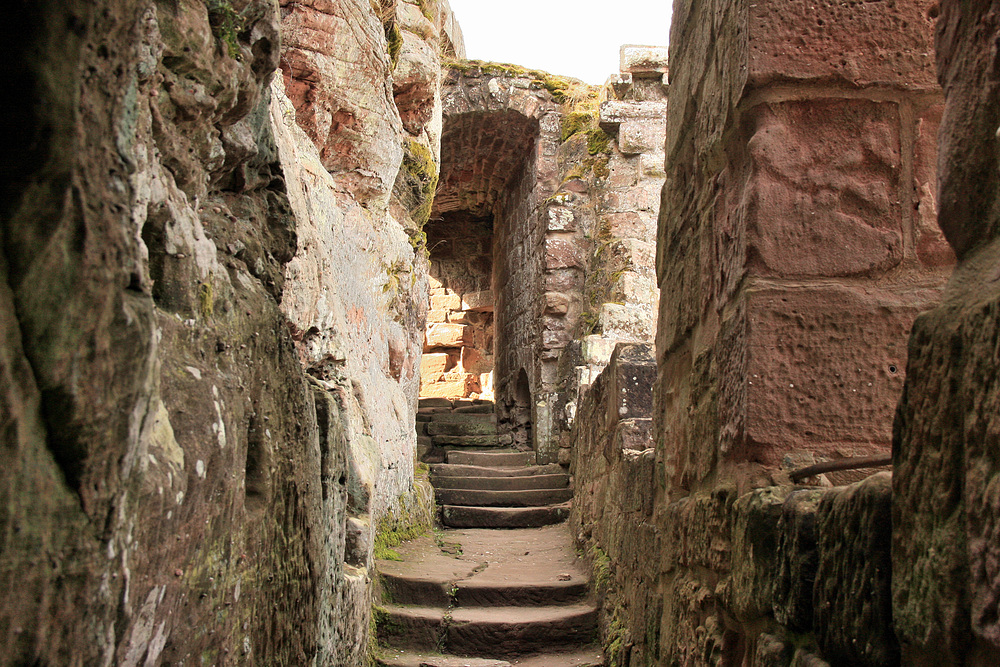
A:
<point x="486" y="236"/>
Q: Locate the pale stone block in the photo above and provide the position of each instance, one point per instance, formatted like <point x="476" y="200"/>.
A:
<point x="445" y="335"/>
<point x="596" y="350"/>
<point x="437" y="316"/>
<point x="561" y="219"/>
<point x="626" y="323"/>
<point x="639" y="60"/>
<point x="446" y="302"/>
<point x="433" y="364"/>
<point x="653" y="165"/>
<point x="477" y="300"/>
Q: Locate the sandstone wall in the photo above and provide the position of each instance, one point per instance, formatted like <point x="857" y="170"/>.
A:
<point x="777" y="576"/>
<point x="944" y="448"/>
<point x="797" y="238"/>
<point x="210" y="337"/>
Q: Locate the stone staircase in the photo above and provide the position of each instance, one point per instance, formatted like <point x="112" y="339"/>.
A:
<point x="472" y="594"/>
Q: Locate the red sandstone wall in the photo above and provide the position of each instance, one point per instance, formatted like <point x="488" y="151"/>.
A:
<point x="795" y="242"/>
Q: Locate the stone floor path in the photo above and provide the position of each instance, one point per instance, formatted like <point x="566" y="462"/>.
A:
<point x="501" y="583"/>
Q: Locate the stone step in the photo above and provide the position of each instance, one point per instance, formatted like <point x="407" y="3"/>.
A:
<point x="461" y="428"/>
<point x="499" y="631"/>
<point x="464" y="418"/>
<point x="496" y="498"/>
<point x="435" y="403"/>
<point x="507" y="483"/>
<point x="509" y="457"/>
<point x="521" y="593"/>
<point x="420" y="628"/>
<point x="467" y="440"/>
<point x="434" y="586"/>
<point x="509" y="631"/>
<point x="472" y="409"/>
<point x="460" y="516"/>
<point x="452" y="470"/>
<point x="588" y="657"/>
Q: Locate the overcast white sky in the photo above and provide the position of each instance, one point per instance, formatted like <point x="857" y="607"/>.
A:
<point x="578" y="38"/>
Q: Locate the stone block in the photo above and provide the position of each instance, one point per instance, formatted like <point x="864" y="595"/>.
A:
<point x="643" y="60"/>
<point x="447" y="335"/>
<point x="653" y="165"/>
<point x="797" y="560"/>
<point x="636" y="289"/>
<point x="556" y="303"/>
<point x="874" y="43"/>
<point x="478" y="301"/>
<point x="451" y="388"/>
<point x="631" y="373"/>
<point x="561" y="219"/>
<point x="627" y="323"/>
<point x="597" y="350"/>
<point x="434" y="364"/>
<point x="755" y="538"/>
<point x="823" y="199"/>
<point x="631" y="224"/>
<point x="825" y="365"/>
<point x="931" y="246"/>
<point x="446" y="302"/>
<point x="633" y="433"/>
<point x="615" y="112"/>
<point x="437" y="316"/>
<point x="641" y="136"/>
<point x="853" y="596"/>
<point x="562" y="253"/>
<point x="358" y="542"/>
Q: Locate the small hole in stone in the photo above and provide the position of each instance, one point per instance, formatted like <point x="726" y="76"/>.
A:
<point x="933" y="12"/>
<point x="892" y="369"/>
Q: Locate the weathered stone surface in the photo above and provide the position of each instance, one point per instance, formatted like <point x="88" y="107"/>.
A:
<point x="797" y="560"/>
<point x="853" y="596"/>
<point x="643" y="60"/>
<point x="755" y="539"/>
<point x="944" y="483"/>
<point x="876" y="44"/>
<point x="446" y="335"/>
<point x="815" y="209"/>
<point x="816" y="356"/>
<point x="336" y="68"/>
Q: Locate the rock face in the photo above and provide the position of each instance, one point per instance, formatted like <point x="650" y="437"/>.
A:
<point x="209" y="344"/>
<point x="944" y="448"/>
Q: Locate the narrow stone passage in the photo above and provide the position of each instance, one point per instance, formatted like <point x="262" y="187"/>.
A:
<point x="501" y="583"/>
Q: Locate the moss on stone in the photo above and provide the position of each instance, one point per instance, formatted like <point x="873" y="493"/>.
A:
<point x="427" y="9"/>
<point x="414" y="189"/>
<point x="394" y="40"/>
<point x="598" y="141"/>
<point x="227" y="24"/>
<point x="206" y="301"/>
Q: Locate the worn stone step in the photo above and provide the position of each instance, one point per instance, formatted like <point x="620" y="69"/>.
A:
<point x="435" y="403"/>
<point x="496" y="498"/>
<point x="411" y="627"/>
<point x="460" y="516"/>
<point x="467" y="440"/>
<point x="435" y="427"/>
<point x="499" y="457"/>
<point x="506" y="483"/>
<point x="586" y="657"/>
<point x="526" y="593"/>
<point x="450" y="469"/>
<point x="509" y="631"/>
<point x="464" y="418"/>
<point x="481" y="408"/>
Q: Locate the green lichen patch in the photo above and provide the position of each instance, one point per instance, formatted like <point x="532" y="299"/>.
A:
<point x="415" y="187"/>
<point x="227" y="24"/>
